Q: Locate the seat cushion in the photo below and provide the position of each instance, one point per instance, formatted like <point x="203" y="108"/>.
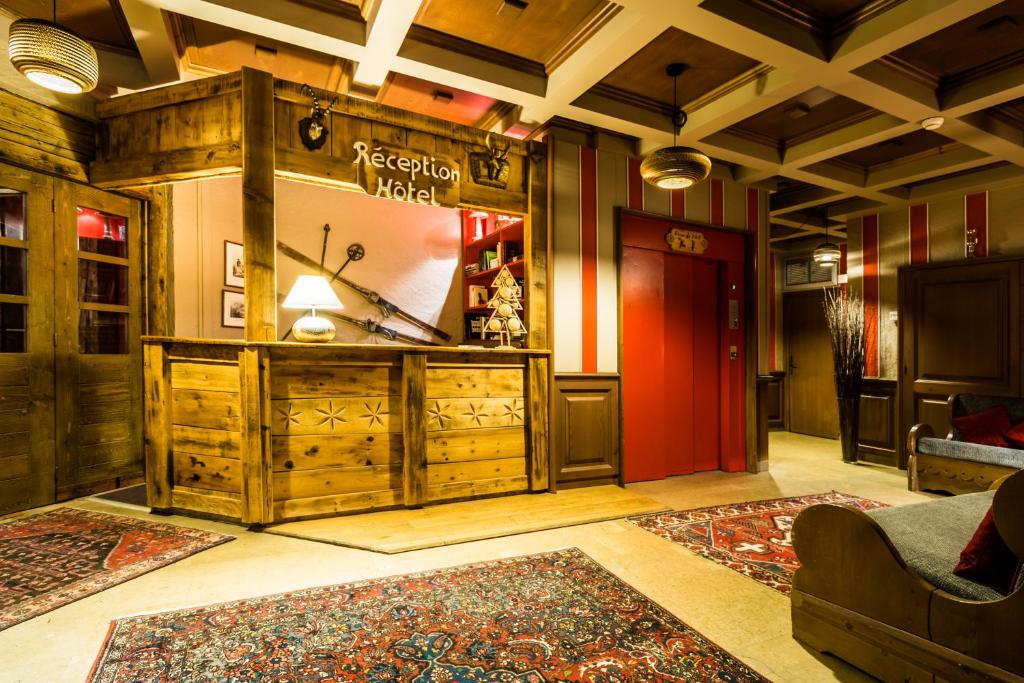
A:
<point x="961" y="450"/>
<point x="929" y="537"/>
<point x="985" y="426"/>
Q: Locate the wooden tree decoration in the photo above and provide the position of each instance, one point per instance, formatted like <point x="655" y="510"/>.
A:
<point x="505" y="320"/>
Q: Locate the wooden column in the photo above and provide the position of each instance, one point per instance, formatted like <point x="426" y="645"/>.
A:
<point x="159" y="436"/>
<point x="159" y="272"/>
<point x="537" y="397"/>
<point x="259" y="235"/>
<point x="414" y="428"/>
<point x="257" y="465"/>
<point x="537" y="248"/>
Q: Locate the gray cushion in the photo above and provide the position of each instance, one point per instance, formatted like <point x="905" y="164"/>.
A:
<point x="975" y="452"/>
<point x="930" y="537"/>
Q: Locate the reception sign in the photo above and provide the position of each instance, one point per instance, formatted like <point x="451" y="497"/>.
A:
<point x="407" y="175"/>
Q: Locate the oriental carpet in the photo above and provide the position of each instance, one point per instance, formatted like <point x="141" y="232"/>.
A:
<point x="556" y="616"/>
<point x="66" y="554"/>
<point x="753" y="538"/>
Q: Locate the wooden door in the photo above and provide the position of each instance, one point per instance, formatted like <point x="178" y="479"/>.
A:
<point x="811" y="389"/>
<point x="98" y="303"/>
<point x="959" y="333"/>
<point x="26" y="340"/>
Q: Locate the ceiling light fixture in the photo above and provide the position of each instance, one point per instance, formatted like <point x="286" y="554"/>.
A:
<point x="827" y="253"/>
<point x="52" y="55"/>
<point x="675" y="167"/>
<point x="933" y="123"/>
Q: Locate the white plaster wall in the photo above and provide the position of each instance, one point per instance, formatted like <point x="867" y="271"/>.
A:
<point x="412" y="254"/>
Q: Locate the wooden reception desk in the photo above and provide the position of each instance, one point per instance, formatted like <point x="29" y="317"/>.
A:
<point x="265" y="432"/>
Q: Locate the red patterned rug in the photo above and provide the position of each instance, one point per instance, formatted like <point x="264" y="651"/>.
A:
<point x="555" y="616"/>
<point x="57" y="557"/>
<point x="752" y="538"/>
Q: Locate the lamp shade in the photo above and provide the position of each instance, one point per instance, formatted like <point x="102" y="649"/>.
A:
<point x="52" y="56"/>
<point x="674" y="168"/>
<point x="311" y="291"/>
<point x="827" y="253"/>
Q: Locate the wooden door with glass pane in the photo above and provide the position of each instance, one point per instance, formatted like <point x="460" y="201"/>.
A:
<point x="98" y="303"/>
<point x="26" y="340"/>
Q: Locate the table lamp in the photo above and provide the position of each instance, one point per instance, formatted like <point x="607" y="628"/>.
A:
<point x="312" y="292"/>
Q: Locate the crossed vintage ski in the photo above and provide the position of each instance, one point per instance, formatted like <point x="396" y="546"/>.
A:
<point x="387" y="308"/>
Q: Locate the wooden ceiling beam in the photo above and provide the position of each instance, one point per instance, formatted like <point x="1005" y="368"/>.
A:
<point x="152" y="35"/>
<point x="386" y="27"/>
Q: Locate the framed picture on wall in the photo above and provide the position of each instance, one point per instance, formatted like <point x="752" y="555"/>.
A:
<point x="232" y="309"/>
<point x="234" y="265"/>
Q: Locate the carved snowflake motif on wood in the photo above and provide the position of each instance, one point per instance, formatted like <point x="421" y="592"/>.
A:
<point x="513" y="411"/>
<point x="476" y="414"/>
<point x="374" y="414"/>
<point x="291" y="416"/>
<point x="333" y="416"/>
<point x="439" y="414"/>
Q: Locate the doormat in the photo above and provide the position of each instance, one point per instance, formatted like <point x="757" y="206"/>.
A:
<point x="398" y="531"/>
<point x="556" y="616"/>
<point x="66" y="554"/>
<point x="753" y="538"/>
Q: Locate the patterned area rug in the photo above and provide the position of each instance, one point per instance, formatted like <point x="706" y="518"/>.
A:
<point x="752" y="538"/>
<point x="556" y="616"/>
<point x="57" y="557"/>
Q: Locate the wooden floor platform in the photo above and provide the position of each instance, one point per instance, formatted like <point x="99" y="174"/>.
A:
<point x="397" y="531"/>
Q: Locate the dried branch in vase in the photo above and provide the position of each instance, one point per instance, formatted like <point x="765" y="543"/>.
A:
<point x="845" y="317"/>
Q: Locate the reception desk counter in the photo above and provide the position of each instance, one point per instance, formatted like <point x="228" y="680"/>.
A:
<point x="266" y="432"/>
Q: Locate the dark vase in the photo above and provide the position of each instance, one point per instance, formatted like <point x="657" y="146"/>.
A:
<point x="849" y="424"/>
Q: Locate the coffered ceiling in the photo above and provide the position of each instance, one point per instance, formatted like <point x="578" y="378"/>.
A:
<point x="820" y="100"/>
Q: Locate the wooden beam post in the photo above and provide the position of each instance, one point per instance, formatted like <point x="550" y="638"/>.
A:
<point x="259" y="234"/>
<point x="537" y="248"/>
<point x="257" y="465"/>
<point x="159" y="443"/>
<point x="159" y="272"/>
<point x="414" y="428"/>
<point x="537" y="389"/>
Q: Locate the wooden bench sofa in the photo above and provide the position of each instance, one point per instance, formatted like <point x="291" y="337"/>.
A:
<point x="953" y="465"/>
<point x="876" y="589"/>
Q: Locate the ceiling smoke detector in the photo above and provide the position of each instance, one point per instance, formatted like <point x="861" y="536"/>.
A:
<point x="933" y="123"/>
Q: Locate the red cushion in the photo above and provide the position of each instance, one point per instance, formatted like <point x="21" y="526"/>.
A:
<point x="985" y="426"/>
<point x="987" y="559"/>
<point x="1015" y="435"/>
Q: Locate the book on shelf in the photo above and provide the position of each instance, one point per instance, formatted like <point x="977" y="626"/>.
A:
<point x="478" y="296"/>
<point x="512" y="251"/>
<point x="489" y="259"/>
<point x="472" y="269"/>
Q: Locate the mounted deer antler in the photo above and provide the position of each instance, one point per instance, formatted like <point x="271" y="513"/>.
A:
<point x="498" y="155"/>
<point x="312" y="128"/>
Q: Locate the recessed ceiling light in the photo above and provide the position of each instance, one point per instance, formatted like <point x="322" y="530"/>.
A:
<point x="443" y="97"/>
<point x="798" y="111"/>
<point x="933" y="123"/>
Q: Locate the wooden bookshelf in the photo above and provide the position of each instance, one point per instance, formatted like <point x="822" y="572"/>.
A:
<point x="490" y="241"/>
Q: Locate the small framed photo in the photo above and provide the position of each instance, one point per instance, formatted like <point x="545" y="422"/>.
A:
<point x="234" y="265"/>
<point x="232" y="309"/>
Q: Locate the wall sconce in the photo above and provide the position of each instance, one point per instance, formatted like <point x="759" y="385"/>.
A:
<point x="970" y="242"/>
<point x="312" y="130"/>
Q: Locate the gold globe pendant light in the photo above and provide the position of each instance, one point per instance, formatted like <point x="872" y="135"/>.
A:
<point x="52" y="55"/>
<point x="675" y="167"/>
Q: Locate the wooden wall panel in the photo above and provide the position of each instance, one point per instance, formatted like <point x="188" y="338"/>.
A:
<point x="45" y="140"/>
<point x="878" y="436"/>
<point x="586" y="427"/>
<point x="336" y="436"/>
<point x="476" y="437"/>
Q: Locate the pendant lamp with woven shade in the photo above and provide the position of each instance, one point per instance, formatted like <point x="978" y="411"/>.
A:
<point x="675" y="167"/>
<point x="52" y="55"/>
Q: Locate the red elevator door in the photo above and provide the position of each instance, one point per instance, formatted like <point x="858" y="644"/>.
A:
<point x="672" y="369"/>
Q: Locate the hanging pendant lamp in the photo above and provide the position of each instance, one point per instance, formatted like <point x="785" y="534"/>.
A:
<point x="675" y="167"/>
<point x="52" y="55"/>
<point x="827" y="253"/>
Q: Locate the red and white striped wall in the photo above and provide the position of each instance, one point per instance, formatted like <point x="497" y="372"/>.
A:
<point x="587" y="186"/>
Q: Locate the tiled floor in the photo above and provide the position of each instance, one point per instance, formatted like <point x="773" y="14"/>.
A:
<point x="746" y="618"/>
